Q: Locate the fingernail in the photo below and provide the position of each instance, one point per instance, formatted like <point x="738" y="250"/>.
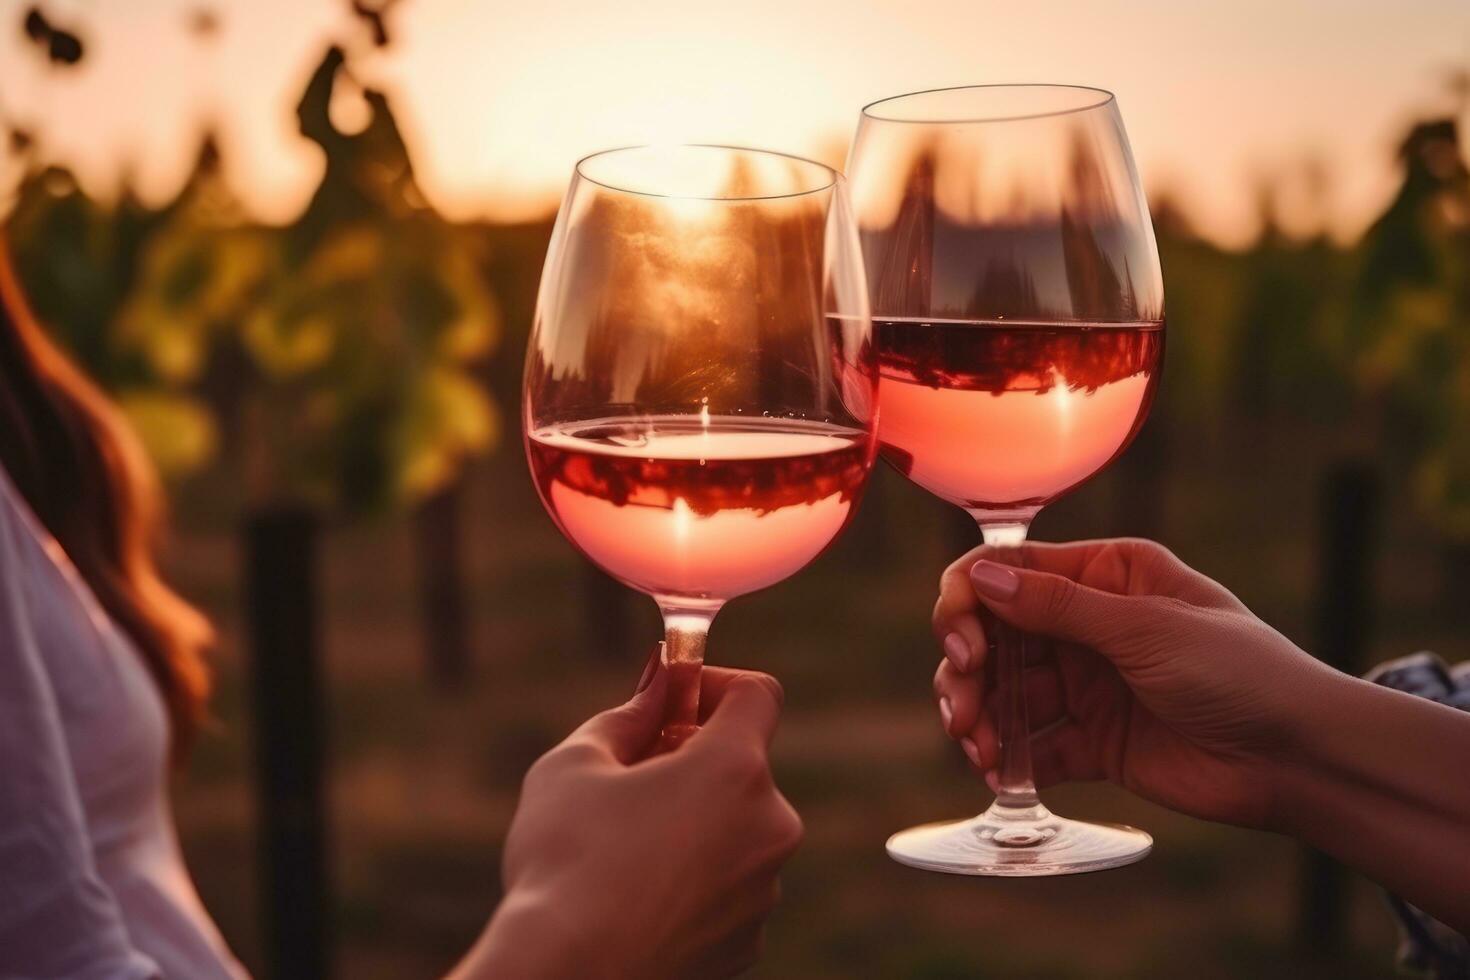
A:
<point x="946" y="713"/>
<point x="649" y="669"/>
<point x="971" y="750"/>
<point x="992" y="779"/>
<point x="958" y="652"/>
<point x="994" y="581"/>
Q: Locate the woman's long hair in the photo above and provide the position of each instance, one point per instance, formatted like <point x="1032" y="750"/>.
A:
<point x="83" y="472"/>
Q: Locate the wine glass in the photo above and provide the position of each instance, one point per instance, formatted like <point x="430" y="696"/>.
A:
<point x="1018" y="307"/>
<point x="700" y="379"/>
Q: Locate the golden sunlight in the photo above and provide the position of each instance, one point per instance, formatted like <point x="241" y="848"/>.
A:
<point x="496" y="101"/>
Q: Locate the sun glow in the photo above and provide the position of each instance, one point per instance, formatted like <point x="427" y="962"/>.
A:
<point x="1062" y="398"/>
<point x="497" y="100"/>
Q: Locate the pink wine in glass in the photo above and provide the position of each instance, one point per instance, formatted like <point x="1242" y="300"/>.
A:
<point x="700" y="508"/>
<point x="1004" y="414"/>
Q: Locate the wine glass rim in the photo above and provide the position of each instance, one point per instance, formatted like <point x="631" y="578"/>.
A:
<point x="833" y="175"/>
<point x="1105" y="98"/>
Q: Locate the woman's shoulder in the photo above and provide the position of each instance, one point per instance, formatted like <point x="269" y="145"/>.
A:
<point x="10" y="505"/>
<point x="21" y="537"/>
<point x="49" y="604"/>
<point x="31" y="552"/>
<point x="18" y="523"/>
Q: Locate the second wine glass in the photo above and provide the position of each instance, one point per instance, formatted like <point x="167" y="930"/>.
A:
<point x="700" y="379"/>
<point x="1020" y="312"/>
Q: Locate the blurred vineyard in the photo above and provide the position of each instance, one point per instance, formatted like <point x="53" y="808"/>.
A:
<point x="362" y="363"/>
<point x="355" y="358"/>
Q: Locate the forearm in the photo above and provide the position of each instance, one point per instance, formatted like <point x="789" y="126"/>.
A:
<point x="1381" y="780"/>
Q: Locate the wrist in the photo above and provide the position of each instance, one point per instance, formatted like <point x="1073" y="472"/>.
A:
<point x="533" y="937"/>
<point x="1377" y="779"/>
<point x="1358" y="747"/>
<point x="1316" y="743"/>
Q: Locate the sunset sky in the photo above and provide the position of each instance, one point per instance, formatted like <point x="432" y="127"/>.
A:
<point x="499" y="99"/>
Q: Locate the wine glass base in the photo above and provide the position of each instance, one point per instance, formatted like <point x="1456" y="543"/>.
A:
<point x="1052" y="845"/>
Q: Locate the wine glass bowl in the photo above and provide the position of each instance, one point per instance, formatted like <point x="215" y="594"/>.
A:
<point x="700" y="379"/>
<point x="1018" y="309"/>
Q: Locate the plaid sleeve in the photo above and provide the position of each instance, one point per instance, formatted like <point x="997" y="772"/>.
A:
<point x="1427" y="945"/>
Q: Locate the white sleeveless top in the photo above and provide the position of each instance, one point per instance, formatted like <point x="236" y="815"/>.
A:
<point x="92" y="882"/>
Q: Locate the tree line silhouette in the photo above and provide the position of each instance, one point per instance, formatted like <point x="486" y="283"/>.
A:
<point x="347" y="362"/>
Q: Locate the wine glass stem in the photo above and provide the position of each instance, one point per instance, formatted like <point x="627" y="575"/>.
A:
<point x="1015" y="789"/>
<point x="685" y="631"/>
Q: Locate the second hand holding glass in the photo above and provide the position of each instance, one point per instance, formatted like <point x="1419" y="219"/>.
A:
<point x="700" y="379"/>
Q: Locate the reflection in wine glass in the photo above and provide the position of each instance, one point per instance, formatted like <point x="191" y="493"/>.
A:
<point x="1019" y="312"/>
<point x="700" y="378"/>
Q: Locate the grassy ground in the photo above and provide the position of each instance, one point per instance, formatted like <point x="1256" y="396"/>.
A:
<point x="423" y="784"/>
